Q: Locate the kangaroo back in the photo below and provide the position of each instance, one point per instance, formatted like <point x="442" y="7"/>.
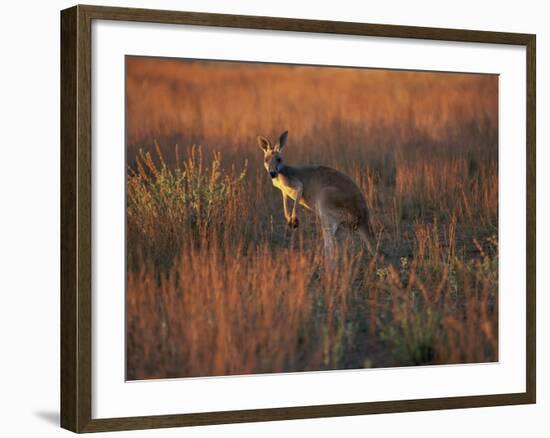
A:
<point x="338" y="190"/>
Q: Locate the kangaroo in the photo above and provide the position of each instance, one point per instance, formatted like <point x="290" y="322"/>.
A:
<point x="330" y="194"/>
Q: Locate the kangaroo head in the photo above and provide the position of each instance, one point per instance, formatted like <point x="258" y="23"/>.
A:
<point x="273" y="161"/>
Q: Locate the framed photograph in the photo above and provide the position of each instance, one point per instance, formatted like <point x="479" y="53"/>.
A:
<point x="270" y="218"/>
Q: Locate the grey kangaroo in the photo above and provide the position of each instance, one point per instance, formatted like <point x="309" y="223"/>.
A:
<point x="330" y="194"/>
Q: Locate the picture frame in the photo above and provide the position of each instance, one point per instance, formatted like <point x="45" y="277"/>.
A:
<point x="77" y="168"/>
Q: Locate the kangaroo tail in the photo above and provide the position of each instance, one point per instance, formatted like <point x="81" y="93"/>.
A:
<point x="369" y="238"/>
<point x="366" y="232"/>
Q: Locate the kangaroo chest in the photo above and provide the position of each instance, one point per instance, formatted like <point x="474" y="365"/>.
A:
<point x="284" y="186"/>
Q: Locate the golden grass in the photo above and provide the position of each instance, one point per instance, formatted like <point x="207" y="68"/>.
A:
<point x="217" y="284"/>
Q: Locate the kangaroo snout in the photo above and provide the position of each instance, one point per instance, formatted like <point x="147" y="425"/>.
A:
<point x="273" y="174"/>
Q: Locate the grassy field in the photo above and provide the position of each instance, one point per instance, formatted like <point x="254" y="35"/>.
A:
<point x="218" y="284"/>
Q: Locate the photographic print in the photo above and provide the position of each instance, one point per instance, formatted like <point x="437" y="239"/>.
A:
<point x="292" y="218"/>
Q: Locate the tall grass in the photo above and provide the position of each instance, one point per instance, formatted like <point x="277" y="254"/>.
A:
<point x="162" y="202"/>
<point x="218" y="284"/>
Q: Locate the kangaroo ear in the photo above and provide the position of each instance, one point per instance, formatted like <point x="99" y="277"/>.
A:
<point x="282" y="141"/>
<point x="264" y="143"/>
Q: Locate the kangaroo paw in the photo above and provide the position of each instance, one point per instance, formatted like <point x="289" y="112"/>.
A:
<point x="293" y="222"/>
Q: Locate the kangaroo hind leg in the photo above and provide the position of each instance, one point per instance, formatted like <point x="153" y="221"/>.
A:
<point x="329" y="226"/>
<point x="329" y="223"/>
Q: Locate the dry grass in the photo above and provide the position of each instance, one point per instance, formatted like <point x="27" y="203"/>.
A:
<point x="218" y="285"/>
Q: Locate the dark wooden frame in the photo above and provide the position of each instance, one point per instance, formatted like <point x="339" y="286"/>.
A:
<point x="76" y="179"/>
